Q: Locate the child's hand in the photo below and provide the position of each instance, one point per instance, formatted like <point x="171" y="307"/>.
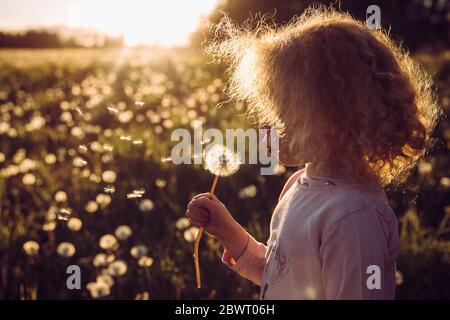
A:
<point x="206" y="211"/>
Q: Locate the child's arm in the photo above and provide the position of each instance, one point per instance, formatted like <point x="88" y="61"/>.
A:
<point x="358" y="257"/>
<point x="242" y="252"/>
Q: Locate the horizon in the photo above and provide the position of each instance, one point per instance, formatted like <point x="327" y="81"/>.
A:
<point x="139" y="22"/>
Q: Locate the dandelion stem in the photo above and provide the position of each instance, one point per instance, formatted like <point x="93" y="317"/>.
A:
<point x="197" y="243"/>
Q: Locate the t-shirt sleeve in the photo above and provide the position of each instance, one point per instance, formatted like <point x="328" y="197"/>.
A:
<point x="354" y="255"/>
<point x="251" y="263"/>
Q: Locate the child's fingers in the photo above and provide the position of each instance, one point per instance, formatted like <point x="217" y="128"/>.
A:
<point x="197" y="213"/>
<point x="206" y="194"/>
<point x="198" y="223"/>
<point x="203" y="202"/>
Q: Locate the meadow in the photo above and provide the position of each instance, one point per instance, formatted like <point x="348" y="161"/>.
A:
<point x="84" y="137"/>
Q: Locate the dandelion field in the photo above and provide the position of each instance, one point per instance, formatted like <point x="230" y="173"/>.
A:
<point x="84" y="180"/>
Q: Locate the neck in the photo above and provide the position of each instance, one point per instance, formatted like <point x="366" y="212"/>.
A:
<point x="318" y="171"/>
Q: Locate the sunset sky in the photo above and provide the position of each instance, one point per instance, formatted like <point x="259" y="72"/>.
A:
<point x="167" y="22"/>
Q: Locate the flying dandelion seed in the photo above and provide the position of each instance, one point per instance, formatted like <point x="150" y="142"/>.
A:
<point x="139" y="103"/>
<point x="79" y="111"/>
<point x="125" y="138"/>
<point x="107" y="147"/>
<point x="221" y="161"/>
<point x="136" y="194"/>
<point x="64" y="214"/>
<point x="82" y="148"/>
<point x="79" y="162"/>
<point x="109" y="189"/>
<point x="112" y="110"/>
<point x="140" y="141"/>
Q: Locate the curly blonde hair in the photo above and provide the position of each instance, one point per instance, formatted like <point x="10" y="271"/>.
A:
<point x="340" y="93"/>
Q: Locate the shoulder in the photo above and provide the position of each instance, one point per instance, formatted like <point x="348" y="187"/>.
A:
<point x="349" y="202"/>
<point x="290" y="182"/>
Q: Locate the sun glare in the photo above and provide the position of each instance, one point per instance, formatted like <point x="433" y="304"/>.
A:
<point x="165" y="23"/>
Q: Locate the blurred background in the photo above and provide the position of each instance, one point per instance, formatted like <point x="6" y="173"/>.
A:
<point x="90" y="92"/>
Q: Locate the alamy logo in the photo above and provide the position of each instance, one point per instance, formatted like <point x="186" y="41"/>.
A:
<point x="373" y="17"/>
<point x="374" y="280"/>
<point x="74" y="280"/>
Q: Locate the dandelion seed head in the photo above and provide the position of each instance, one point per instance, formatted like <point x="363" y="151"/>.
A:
<point x="146" y="205"/>
<point x="145" y="262"/>
<point x="74" y="224"/>
<point x="61" y="196"/>
<point x="108" y="242"/>
<point x="91" y="206"/>
<point x="28" y="179"/>
<point x="123" y="232"/>
<point x="160" y="183"/>
<point x="182" y="223"/>
<point x="117" y="268"/>
<point x="98" y="289"/>
<point x="221" y="161"/>
<point x="190" y="234"/>
<point x="66" y="249"/>
<point x="138" y="251"/>
<point x="105" y="278"/>
<point x="109" y="176"/>
<point x="31" y="248"/>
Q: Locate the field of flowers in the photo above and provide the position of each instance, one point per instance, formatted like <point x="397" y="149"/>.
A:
<point x="84" y="179"/>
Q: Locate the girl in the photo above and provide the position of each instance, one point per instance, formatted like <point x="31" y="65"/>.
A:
<point x="355" y="109"/>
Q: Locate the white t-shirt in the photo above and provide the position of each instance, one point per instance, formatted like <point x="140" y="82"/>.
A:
<point x="329" y="239"/>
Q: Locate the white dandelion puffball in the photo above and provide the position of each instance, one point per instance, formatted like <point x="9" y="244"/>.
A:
<point x="103" y="199"/>
<point x="31" y="248"/>
<point x="190" y="234"/>
<point x="98" y="289"/>
<point x="61" y="196"/>
<point x="117" y="268"/>
<point x="123" y="232"/>
<point x="221" y="161"/>
<point x="108" y="242"/>
<point x="74" y="224"/>
<point x="100" y="260"/>
<point x="182" y="223"/>
<point x="109" y="176"/>
<point x="145" y="262"/>
<point x="91" y="206"/>
<point x="146" y="205"/>
<point x="138" y="251"/>
<point x="248" y="192"/>
<point x="28" y="179"/>
<point x="49" y="226"/>
<point x="66" y="249"/>
<point x="50" y="158"/>
<point x="105" y="278"/>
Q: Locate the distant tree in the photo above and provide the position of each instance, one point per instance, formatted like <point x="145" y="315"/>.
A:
<point x="420" y="23"/>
